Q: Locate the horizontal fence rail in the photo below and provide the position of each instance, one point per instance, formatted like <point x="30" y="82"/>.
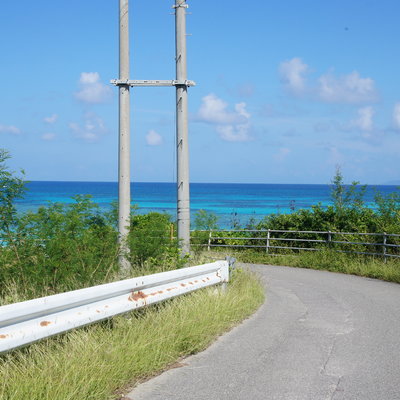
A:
<point x="386" y="245"/>
<point x="29" y="321"/>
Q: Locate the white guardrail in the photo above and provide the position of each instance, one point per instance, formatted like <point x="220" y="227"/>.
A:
<point x="32" y="320"/>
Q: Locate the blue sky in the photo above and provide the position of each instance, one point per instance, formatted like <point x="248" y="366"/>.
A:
<point x="286" y="91"/>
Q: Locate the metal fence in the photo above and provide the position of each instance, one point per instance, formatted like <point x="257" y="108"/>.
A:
<point x="275" y="242"/>
<point x="29" y="321"/>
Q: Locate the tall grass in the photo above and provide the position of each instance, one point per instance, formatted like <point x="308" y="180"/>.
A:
<point x="99" y="361"/>
<point x="326" y="260"/>
<point x="64" y="247"/>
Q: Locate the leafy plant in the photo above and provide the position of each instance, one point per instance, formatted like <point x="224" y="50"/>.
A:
<point x="61" y="247"/>
<point x="205" y="220"/>
<point x="346" y="197"/>
<point x="151" y="242"/>
<point x="12" y="187"/>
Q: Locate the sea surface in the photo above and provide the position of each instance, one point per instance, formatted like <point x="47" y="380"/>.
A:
<point x="226" y="200"/>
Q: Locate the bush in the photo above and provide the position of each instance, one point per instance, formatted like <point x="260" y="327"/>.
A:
<point x="64" y="247"/>
<point x="151" y="241"/>
<point x="60" y="247"/>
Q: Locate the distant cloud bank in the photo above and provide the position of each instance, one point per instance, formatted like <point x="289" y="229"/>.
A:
<point x="48" y="136"/>
<point x="10" y="129"/>
<point x="350" y="88"/>
<point x="396" y="116"/>
<point x="90" y="130"/>
<point x="50" y="120"/>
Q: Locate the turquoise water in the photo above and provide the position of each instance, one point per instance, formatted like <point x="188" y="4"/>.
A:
<point x="224" y="199"/>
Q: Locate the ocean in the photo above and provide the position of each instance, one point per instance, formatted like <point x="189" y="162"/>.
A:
<point x="226" y="200"/>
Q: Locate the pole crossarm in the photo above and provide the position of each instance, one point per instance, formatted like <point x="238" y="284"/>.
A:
<point x="146" y="83"/>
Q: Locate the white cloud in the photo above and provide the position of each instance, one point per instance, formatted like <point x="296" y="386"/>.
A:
<point x="9" y="129"/>
<point x="48" y="136"/>
<point x="240" y="108"/>
<point x="232" y="126"/>
<point x="292" y="73"/>
<point x="396" y="116"/>
<point x="50" y="120"/>
<point x="153" y="138"/>
<point x="91" y="129"/>
<point x="92" y="90"/>
<point x="234" y="133"/>
<point x="214" y="110"/>
<point x="282" y="154"/>
<point x="89" y="77"/>
<point x="365" y="119"/>
<point x="351" y="88"/>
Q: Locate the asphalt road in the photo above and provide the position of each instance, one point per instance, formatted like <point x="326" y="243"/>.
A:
<point x="319" y="335"/>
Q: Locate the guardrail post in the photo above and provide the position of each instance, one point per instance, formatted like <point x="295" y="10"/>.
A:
<point x="384" y="247"/>
<point x="226" y="272"/>
<point x="268" y="238"/>
<point x="209" y="241"/>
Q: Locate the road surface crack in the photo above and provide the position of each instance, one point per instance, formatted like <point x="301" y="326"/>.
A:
<point x="336" y="388"/>
<point x="330" y="353"/>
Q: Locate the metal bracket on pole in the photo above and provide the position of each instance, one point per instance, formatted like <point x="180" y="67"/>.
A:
<point x="147" y="82"/>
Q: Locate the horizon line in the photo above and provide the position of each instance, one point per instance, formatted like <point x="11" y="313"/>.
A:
<point x="214" y="183"/>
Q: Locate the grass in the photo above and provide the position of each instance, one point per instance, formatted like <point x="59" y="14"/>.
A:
<point x="327" y="260"/>
<point x="13" y="291"/>
<point x="99" y="361"/>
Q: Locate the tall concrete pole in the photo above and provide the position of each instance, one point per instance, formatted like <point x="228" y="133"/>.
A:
<point x="183" y="207"/>
<point x="124" y="190"/>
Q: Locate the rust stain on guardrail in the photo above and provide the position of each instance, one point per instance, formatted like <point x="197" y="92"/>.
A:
<point x="135" y="296"/>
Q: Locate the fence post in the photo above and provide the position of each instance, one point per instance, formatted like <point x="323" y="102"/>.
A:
<point x="268" y="237"/>
<point x="384" y="246"/>
<point x="329" y="239"/>
<point x="209" y="240"/>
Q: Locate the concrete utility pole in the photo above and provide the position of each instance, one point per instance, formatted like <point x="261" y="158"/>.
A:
<point x="183" y="206"/>
<point x="181" y="83"/>
<point x="124" y="182"/>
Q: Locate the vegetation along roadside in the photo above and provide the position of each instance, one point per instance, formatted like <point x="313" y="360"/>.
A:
<point x="66" y="247"/>
<point x="347" y="212"/>
<point x="97" y="361"/>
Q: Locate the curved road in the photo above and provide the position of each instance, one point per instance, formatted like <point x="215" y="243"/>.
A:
<point x="318" y="336"/>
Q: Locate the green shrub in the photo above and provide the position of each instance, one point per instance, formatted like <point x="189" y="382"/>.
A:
<point x="60" y="247"/>
<point x="151" y="242"/>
